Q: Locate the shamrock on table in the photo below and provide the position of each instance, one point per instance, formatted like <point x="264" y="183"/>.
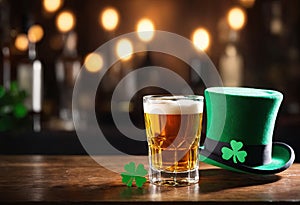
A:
<point x="132" y="173"/>
<point x="235" y="152"/>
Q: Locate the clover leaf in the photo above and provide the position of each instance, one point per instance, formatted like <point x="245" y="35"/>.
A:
<point x="132" y="173"/>
<point x="234" y="152"/>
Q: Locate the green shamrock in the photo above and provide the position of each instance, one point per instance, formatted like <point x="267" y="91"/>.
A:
<point x="133" y="173"/>
<point x="236" y="146"/>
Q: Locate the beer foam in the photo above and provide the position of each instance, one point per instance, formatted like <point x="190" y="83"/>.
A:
<point x="173" y="107"/>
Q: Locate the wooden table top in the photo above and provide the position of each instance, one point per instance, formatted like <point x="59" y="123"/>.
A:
<point x="79" y="179"/>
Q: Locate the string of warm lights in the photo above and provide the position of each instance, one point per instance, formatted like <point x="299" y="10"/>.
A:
<point x="52" y="6"/>
<point x="201" y="39"/>
<point x="145" y="29"/>
<point x="21" y="42"/>
<point x="65" y="21"/>
<point x="109" y="20"/>
<point x="236" y="18"/>
<point x="35" y="33"/>
<point x="93" y="62"/>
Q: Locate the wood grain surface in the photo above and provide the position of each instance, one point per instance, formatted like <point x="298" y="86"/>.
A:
<point x="81" y="180"/>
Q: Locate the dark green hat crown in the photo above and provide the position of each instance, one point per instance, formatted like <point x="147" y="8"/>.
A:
<point x="249" y="115"/>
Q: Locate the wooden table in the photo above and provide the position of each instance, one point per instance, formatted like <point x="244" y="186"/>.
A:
<point x="79" y="179"/>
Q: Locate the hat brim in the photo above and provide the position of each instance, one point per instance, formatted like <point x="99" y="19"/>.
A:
<point x="283" y="157"/>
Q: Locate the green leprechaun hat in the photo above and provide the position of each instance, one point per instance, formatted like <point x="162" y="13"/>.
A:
<point x="240" y="124"/>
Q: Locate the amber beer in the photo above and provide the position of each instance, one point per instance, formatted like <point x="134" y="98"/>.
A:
<point x="173" y="128"/>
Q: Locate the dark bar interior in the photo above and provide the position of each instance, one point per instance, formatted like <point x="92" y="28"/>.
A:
<point x="75" y="128"/>
<point x="262" y="53"/>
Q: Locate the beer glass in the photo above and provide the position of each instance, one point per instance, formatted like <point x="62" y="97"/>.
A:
<point x="173" y="128"/>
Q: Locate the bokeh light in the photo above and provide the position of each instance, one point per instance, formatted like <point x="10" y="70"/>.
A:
<point x="201" y="39"/>
<point x="52" y="5"/>
<point x="247" y="3"/>
<point x="236" y="18"/>
<point x="109" y="19"/>
<point x="21" y="42"/>
<point x="145" y="29"/>
<point x="65" y="21"/>
<point x="35" y="33"/>
<point x="93" y="62"/>
<point x="124" y="49"/>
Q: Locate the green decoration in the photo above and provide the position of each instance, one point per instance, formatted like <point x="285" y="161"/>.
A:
<point x="240" y="124"/>
<point x="234" y="152"/>
<point x="134" y="173"/>
<point x="12" y="108"/>
<point x="20" y="110"/>
<point x="2" y="91"/>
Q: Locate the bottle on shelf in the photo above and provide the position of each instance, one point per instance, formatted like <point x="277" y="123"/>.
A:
<point x="67" y="68"/>
<point x="30" y="79"/>
<point x="5" y="43"/>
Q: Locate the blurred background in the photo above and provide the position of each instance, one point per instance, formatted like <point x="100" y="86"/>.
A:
<point x="44" y="43"/>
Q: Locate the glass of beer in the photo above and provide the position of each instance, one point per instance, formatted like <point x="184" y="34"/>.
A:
<point x="173" y="128"/>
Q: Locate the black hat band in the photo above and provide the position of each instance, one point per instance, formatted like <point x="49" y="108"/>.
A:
<point x="237" y="152"/>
